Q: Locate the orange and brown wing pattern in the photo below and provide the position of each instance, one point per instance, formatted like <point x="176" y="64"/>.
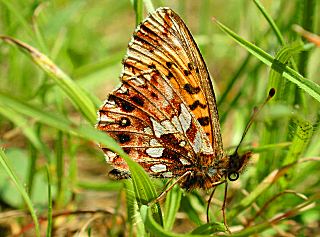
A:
<point x="164" y="113"/>
<point x="164" y="42"/>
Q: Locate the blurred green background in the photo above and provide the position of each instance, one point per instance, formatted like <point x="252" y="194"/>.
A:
<point x="87" y="40"/>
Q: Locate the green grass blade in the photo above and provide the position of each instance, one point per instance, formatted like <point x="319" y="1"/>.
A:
<point x="284" y="95"/>
<point x="144" y="189"/>
<point x="133" y="214"/>
<point x="307" y="11"/>
<point x="37" y="32"/>
<point x="25" y="127"/>
<point x="190" y="210"/>
<point x="172" y="205"/>
<point x="256" y="51"/>
<point x="302" y="136"/>
<point x="274" y="28"/>
<point x="100" y="186"/>
<point x="77" y="96"/>
<point x="269" y="147"/>
<point x="138" y="8"/>
<point x="7" y="167"/>
<point x="50" y="119"/>
<point x="270" y="21"/>
<point x="60" y="174"/>
<point x="283" y="90"/>
<point x="49" y="215"/>
<point x="209" y="228"/>
<point x="90" y="68"/>
<point x="308" y="86"/>
<point x="60" y="123"/>
<point x="158" y="230"/>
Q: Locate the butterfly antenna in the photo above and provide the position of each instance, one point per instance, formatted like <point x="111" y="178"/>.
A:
<point x="256" y="111"/>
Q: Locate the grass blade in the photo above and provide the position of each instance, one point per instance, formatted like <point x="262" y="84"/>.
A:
<point x="100" y="186"/>
<point x="77" y="96"/>
<point x="134" y="217"/>
<point x="158" y="230"/>
<point x="276" y="79"/>
<point x="25" y="127"/>
<point x="7" y="167"/>
<point x="138" y="8"/>
<point x="172" y="205"/>
<point x="308" y="86"/>
<point x="302" y="136"/>
<point x="144" y="189"/>
<point x="49" y="215"/>
<point x="270" y="21"/>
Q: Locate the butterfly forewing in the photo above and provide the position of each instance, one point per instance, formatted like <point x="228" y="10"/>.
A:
<point x="164" y="114"/>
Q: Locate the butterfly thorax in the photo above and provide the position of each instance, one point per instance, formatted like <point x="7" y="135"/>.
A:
<point x="205" y="176"/>
<point x="202" y="178"/>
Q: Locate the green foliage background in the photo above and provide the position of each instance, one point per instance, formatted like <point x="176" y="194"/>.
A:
<point x="63" y="59"/>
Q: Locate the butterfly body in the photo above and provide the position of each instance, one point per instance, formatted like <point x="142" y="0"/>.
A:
<point x="164" y="114"/>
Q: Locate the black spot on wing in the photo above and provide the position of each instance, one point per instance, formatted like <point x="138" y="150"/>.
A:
<point x="190" y="66"/>
<point x="137" y="100"/>
<point x="204" y="121"/>
<point x="169" y="154"/>
<point x="186" y="72"/>
<point x="190" y="89"/>
<point x="169" y="64"/>
<point x="154" y="95"/>
<point x="169" y="138"/>
<point x="123" y="138"/>
<point x="170" y="75"/>
<point x="124" y="105"/>
<point x="152" y="66"/>
<point x="196" y="104"/>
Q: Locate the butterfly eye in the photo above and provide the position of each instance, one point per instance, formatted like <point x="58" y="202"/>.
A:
<point x="233" y="176"/>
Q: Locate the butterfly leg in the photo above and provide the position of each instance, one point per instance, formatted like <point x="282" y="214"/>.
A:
<point x="214" y="185"/>
<point x="164" y="193"/>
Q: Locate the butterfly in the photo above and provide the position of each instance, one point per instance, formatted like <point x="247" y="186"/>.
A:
<point x="164" y="114"/>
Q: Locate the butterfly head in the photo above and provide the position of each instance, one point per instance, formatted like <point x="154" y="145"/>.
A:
<point x="237" y="164"/>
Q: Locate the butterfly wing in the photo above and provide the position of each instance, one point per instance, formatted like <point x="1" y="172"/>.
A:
<point x="164" y="114"/>
<point x="163" y="41"/>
